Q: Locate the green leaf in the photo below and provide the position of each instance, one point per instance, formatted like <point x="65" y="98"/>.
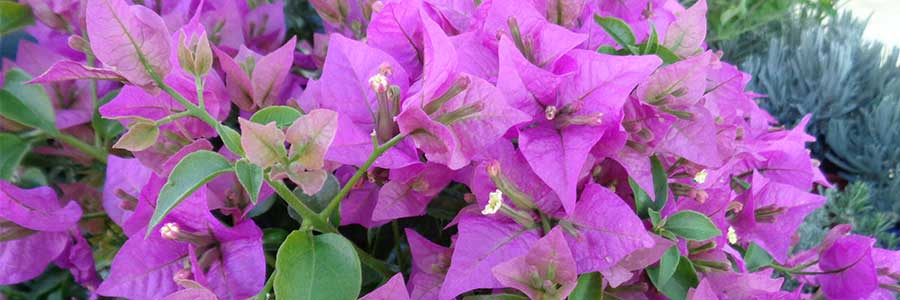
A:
<point x="652" y="43"/>
<point x="660" y="183"/>
<point x="667" y="56"/>
<point x="606" y="49"/>
<point x="755" y="257"/>
<point x="141" y="135"/>
<point x="317" y="267"/>
<point x="692" y="225"/>
<point x="192" y="172"/>
<point x="14" y="16"/>
<point x="283" y="116"/>
<point x="667" y="265"/>
<point x="619" y="31"/>
<point x="589" y="287"/>
<point x="641" y="199"/>
<point x="676" y="288"/>
<point x="231" y="138"/>
<point x="13" y="149"/>
<point x="250" y="176"/>
<point x="26" y="104"/>
<point x="654" y="216"/>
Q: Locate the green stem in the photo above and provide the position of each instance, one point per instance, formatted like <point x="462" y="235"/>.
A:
<point x="94" y="152"/>
<point x="545" y="222"/>
<point x="93" y="215"/>
<point x="95" y="111"/>
<point x="379" y="150"/>
<point x="172" y="117"/>
<point x="322" y="225"/>
<point x="375" y="264"/>
<point x="264" y="294"/>
<point x="307" y="213"/>
<point x="192" y="109"/>
<point x="198" y="83"/>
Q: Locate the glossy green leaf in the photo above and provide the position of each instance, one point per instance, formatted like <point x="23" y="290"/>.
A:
<point x="192" y="172"/>
<point x="692" y="225"/>
<point x="756" y="257"/>
<point x="14" y="16"/>
<point x="619" y="31"/>
<point x="13" y="149"/>
<point x="317" y="267"/>
<point x="684" y="278"/>
<point x="26" y="104"/>
<point x="589" y="287"/>
<point x="250" y="176"/>
<point x="231" y="138"/>
<point x="642" y="201"/>
<point x="667" y="265"/>
<point x="660" y="183"/>
<point x="283" y="116"/>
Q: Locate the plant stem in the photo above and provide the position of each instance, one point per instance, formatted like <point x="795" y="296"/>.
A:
<point x="264" y="294"/>
<point x="172" y="117"/>
<point x="198" y="83"/>
<point x="94" y="152"/>
<point x="376" y="153"/>
<point x="93" y="215"/>
<point x="282" y="190"/>
<point x="375" y="264"/>
<point x="194" y="110"/>
<point x="307" y="213"/>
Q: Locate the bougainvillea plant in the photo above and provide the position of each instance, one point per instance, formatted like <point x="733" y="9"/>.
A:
<point x="600" y="152"/>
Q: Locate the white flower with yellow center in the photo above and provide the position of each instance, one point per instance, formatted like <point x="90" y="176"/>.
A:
<point x="495" y="202"/>
<point x="700" y="177"/>
<point x="732" y="236"/>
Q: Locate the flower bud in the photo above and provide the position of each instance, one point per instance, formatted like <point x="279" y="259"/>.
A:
<point x="195" y="56"/>
<point x="129" y="202"/>
<point x="461" y="114"/>
<point x="11" y="231"/>
<point x="80" y="44"/>
<point x="170" y="231"/>
<point x="460" y="85"/>
<point x="509" y="188"/>
<point x="332" y="11"/>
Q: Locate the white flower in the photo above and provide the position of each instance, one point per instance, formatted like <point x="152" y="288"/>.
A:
<point x="732" y="236"/>
<point x="494" y="203"/>
<point x="700" y="178"/>
<point x="378" y="83"/>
